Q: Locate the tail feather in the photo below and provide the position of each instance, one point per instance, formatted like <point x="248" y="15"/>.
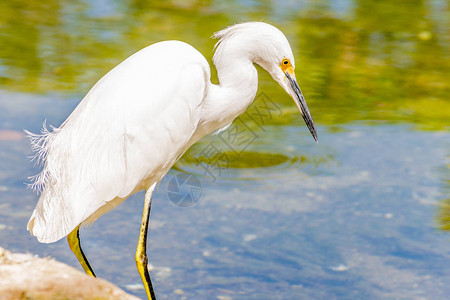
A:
<point x="50" y="223"/>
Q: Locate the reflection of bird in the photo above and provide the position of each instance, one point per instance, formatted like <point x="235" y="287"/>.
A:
<point x="136" y="122"/>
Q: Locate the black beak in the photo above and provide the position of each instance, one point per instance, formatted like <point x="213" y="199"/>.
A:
<point x="301" y="104"/>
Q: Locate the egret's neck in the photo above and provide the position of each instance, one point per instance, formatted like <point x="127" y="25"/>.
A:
<point x="238" y="83"/>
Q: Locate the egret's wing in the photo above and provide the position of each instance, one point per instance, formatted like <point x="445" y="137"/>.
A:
<point x="125" y="134"/>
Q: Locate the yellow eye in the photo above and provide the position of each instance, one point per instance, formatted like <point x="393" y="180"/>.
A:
<point x="286" y="66"/>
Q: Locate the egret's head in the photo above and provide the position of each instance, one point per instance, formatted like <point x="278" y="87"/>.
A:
<point x="267" y="46"/>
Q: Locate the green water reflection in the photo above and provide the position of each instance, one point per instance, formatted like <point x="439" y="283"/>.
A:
<point x="368" y="60"/>
<point x="247" y="159"/>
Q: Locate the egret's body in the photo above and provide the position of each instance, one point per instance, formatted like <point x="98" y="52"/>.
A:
<point x="125" y="135"/>
<point x="136" y="122"/>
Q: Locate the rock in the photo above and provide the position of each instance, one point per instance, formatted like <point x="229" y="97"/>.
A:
<point x="24" y="276"/>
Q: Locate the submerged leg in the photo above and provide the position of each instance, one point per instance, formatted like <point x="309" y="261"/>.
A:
<point x="141" y="251"/>
<point x="74" y="243"/>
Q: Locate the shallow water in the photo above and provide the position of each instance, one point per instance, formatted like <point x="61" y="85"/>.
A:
<point x="267" y="212"/>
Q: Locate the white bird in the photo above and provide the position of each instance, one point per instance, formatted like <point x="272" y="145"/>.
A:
<point x="139" y="119"/>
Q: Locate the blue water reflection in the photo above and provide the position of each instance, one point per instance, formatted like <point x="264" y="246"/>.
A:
<point x="360" y="227"/>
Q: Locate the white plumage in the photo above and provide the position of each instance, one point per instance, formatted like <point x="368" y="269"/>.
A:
<point x="143" y="115"/>
<point x="125" y="134"/>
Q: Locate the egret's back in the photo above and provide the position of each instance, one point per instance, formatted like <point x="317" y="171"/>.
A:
<point x="124" y="135"/>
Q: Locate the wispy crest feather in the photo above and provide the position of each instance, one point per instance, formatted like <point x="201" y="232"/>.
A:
<point x="260" y="42"/>
<point x="222" y="36"/>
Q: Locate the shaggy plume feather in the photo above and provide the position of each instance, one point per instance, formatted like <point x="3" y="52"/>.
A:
<point x="40" y="144"/>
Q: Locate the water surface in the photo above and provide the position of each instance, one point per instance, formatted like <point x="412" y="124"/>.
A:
<point x="361" y="215"/>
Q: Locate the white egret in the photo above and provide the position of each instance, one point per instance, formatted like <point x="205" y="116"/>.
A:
<point x="139" y="119"/>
